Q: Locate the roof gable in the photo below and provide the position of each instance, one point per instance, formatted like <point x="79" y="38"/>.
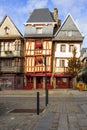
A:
<point x="13" y="31"/>
<point x="41" y="15"/>
<point x="68" y="30"/>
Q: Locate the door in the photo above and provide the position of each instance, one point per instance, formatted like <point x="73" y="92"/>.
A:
<point x="39" y="82"/>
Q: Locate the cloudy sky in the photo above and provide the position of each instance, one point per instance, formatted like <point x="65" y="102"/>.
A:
<point x="19" y="10"/>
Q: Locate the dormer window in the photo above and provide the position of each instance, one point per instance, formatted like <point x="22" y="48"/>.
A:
<point x="39" y="30"/>
<point x="69" y="33"/>
<point x="6" y="30"/>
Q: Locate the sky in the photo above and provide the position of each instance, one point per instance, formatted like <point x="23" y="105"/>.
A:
<point x="19" y="11"/>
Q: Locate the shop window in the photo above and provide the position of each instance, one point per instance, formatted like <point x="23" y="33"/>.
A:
<point x="64" y="80"/>
<point x="48" y="79"/>
<point x="29" y="80"/>
<point x="57" y="80"/>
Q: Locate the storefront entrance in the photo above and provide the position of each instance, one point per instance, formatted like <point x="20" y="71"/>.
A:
<point x="39" y="82"/>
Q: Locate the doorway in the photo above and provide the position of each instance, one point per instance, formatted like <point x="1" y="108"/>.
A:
<point x="39" y="82"/>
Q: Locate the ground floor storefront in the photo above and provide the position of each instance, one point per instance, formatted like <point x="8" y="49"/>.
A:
<point x="63" y="81"/>
<point x="38" y="81"/>
<point x="35" y="81"/>
<point x="11" y="81"/>
<point x="49" y="81"/>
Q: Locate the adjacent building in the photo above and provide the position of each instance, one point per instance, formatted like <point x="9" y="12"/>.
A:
<point x="66" y="38"/>
<point x="11" y="55"/>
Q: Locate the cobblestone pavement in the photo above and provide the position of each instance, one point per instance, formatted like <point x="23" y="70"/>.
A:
<point x="66" y="110"/>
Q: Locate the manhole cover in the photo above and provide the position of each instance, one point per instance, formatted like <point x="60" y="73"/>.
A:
<point x="26" y="111"/>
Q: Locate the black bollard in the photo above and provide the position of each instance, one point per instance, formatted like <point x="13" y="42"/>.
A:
<point x="38" y="106"/>
<point x="46" y="97"/>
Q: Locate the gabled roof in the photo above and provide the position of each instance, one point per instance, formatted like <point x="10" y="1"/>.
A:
<point x="14" y="31"/>
<point x="68" y="25"/>
<point x="41" y="15"/>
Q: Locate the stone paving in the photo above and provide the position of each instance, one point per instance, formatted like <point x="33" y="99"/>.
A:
<point x="65" y="111"/>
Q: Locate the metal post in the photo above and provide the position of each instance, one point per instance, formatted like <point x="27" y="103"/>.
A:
<point x="46" y="97"/>
<point x="46" y="90"/>
<point x="38" y="105"/>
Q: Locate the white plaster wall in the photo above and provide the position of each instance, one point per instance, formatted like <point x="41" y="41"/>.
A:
<point x="66" y="54"/>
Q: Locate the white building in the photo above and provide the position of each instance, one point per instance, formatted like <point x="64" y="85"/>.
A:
<point x="67" y="37"/>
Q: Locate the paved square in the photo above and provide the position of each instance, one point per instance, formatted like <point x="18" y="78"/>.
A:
<point x="66" y="110"/>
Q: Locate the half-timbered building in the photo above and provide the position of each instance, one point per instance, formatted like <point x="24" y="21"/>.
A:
<point x="11" y="55"/>
<point x="39" y="30"/>
<point x="66" y="38"/>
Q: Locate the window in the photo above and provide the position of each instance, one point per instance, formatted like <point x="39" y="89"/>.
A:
<point x="7" y="46"/>
<point x="17" y="62"/>
<point x="62" y="63"/>
<point x="38" y="30"/>
<point x="38" y="44"/>
<point x="17" y="45"/>
<point x="38" y="60"/>
<point x="63" y="48"/>
<point x="8" y="63"/>
<point x="6" y="30"/>
<point x="57" y="62"/>
<point x="71" y="47"/>
<point x="69" y="33"/>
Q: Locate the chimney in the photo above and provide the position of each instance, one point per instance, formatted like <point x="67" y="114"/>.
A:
<point x="55" y="14"/>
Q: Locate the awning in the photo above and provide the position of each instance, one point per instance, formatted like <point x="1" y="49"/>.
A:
<point x="62" y="75"/>
<point x="38" y="44"/>
<point x="39" y="74"/>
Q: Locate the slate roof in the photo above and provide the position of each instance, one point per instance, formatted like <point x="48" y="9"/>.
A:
<point x="68" y="25"/>
<point x="41" y="15"/>
<point x="47" y="31"/>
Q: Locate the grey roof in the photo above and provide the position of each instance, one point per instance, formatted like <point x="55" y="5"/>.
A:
<point x="67" y="26"/>
<point x="41" y="15"/>
<point x="30" y="31"/>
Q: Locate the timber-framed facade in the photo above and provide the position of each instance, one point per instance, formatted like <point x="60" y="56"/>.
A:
<point x="11" y="56"/>
<point x="38" y="60"/>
